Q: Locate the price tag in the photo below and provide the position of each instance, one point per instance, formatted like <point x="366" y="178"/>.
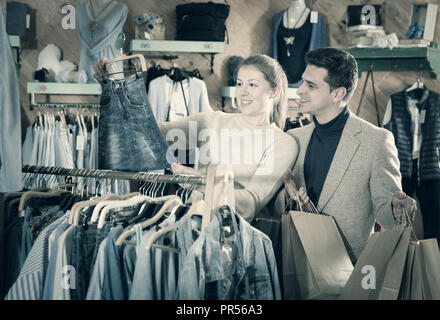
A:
<point x="80" y="143"/>
<point x="422" y="116"/>
<point x="314" y="17"/>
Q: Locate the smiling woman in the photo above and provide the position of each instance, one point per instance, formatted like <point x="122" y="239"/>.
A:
<point x="257" y="131"/>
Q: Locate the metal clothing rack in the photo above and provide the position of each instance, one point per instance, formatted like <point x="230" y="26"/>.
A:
<point x="66" y="105"/>
<point x="110" y="174"/>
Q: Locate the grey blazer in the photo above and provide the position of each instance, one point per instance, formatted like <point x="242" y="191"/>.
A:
<point x="361" y="180"/>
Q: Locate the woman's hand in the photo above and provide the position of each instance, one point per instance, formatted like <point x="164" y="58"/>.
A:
<point x="101" y="65"/>
<point x="292" y="190"/>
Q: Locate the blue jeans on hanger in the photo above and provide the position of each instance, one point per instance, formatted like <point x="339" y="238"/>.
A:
<point x="83" y="248"/>
<point x="129" y="137"/>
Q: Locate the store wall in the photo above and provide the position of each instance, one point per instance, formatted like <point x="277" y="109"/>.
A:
<point x="248" y="27"/>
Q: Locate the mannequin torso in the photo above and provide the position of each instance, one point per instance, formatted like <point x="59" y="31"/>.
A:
<point x="296" y="15"/>
<point x="97" y="9"/>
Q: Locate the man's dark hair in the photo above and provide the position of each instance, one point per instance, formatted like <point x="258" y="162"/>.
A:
<point x="342" y="68"/>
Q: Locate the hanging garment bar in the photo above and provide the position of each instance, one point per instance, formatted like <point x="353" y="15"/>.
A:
<point x="66" y="105"/>
<point x="109" y="174"/>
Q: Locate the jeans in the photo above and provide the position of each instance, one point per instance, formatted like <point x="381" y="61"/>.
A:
<point x="129" y="137"/>
<point x="83" y="247"/>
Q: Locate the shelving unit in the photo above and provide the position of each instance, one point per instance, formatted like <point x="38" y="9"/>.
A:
<point x="55" y="88"/>
<point x="211" y="47"/>
<point x="229" y="92"/>
<point x="417" y="59"/>
<point x="412" y="59"/>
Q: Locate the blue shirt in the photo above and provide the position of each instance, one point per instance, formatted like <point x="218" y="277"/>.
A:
<point x="30" y="282"/>
<point x="157" y="270"/>
<point x="50" y="275"/>
<point x="253" y="274"/>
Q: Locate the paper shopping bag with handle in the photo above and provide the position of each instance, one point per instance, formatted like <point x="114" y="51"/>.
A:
<point x="316" y="264"/>
<point x="422" y="271"/>
<point x="371" y="267"/>
<point x="392" y="279"/>
<point x="430" y="268"/>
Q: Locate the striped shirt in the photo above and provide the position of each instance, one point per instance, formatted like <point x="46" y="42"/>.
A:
<point x="30" y="282"/>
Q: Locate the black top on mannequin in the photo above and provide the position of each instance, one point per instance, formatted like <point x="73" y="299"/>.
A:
<point x="292" y="46"/>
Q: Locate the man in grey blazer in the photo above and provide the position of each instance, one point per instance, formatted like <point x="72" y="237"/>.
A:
<point x="346" y="166"/>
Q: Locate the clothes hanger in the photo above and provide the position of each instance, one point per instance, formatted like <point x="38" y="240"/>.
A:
<point x="127" y="203"/>
<point x="103" y="203"/>
<point x="155" y="236"/>
<point x="76" y="208"/>
<point x="171" y="204"/>
<point x="198" y="208"/>
<point x="416" y="85"/>
<point x="127" y="58"/>
<point x="31" y="194"/>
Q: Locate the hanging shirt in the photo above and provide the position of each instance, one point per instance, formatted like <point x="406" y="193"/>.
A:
<point x="293" y="44"/>
<point x="101" y="42"/>
<point x="159" y="96"/>
<point x="30" y="282"/>
<point x="178" y="107"/>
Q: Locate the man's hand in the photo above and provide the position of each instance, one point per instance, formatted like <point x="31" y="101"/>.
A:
<point x="401" y="201"/>
<point x="292" y="191"/>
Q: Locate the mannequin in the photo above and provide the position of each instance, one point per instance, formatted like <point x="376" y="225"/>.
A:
<point x="97" y="9"/>
<point x="100" y="27"/>
<point x="296" y="15"/>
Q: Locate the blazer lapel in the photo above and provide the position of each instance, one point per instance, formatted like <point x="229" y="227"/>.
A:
<point x="345" y="151"/>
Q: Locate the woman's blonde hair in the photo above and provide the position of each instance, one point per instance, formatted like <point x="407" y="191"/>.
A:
<point x="275" y="75"/>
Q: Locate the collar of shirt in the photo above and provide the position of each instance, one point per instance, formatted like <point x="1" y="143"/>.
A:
<point x="334" y="126"/>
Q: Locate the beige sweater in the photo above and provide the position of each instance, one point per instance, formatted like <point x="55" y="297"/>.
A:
<point x="260" y="155"/>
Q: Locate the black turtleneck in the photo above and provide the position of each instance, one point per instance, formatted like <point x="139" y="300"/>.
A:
<point x="320" y="152"/>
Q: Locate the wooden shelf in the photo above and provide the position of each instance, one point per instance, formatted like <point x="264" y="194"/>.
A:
<point x="55" y="88"/>
<point x="63" y="88"/>
<point x="397" y="59"/>
<point x="176" y="46"/>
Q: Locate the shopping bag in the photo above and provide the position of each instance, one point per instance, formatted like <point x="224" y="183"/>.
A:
<point x="316" y="264"/>
<point x="405" y="288"/>
<point x="423" y="271"/>
<point x="370" y="269"/>
<point x="393" y="276"/>
<point x="430" y="268"/>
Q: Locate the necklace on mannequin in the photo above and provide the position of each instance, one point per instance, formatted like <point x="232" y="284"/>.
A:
<point x="289" y="40"/>
<point x="95" y="18"/>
